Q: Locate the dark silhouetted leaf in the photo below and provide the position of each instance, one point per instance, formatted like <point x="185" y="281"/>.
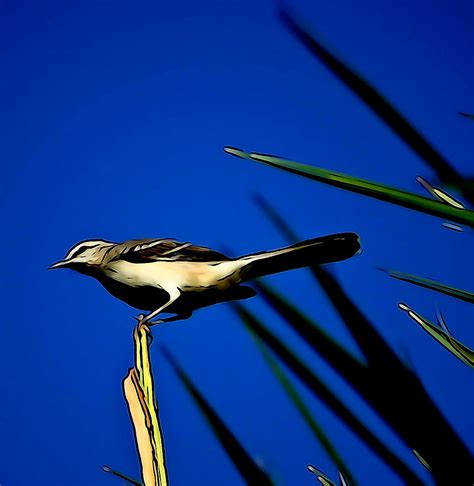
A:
<point x="379" y="105"/>
<point x="303" y="409"/>
<point x="249" y="470"/>
<point x="323" y="393"/>
<point x="392" y="389"/>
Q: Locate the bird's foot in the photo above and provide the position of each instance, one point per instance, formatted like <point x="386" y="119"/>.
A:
<point x="145" y="321"/>
<point x="142" y="321"/>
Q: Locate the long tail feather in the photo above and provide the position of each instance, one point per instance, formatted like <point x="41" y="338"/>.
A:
<point x="317" y="251"/>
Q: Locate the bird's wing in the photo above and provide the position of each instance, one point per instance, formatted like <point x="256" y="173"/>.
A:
<point x="149" y="250"/>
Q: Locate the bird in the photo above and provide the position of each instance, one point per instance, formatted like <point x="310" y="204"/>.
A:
<point x="165" y="275"/>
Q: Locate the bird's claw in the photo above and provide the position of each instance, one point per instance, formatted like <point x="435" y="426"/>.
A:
<point x="154" y="323"/>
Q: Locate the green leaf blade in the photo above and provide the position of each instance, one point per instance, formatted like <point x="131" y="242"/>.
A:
<point x="433" y="285"/>
<point x="367" y="188"/>
<point x="454" y="346"/>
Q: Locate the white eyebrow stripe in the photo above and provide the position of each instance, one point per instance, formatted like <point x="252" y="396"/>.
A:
<point x="84" y="244"/>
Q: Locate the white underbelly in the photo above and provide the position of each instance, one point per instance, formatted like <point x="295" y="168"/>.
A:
<point x="191" y="275"/>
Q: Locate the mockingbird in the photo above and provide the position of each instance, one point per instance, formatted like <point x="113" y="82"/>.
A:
<point x="165" y="275"/>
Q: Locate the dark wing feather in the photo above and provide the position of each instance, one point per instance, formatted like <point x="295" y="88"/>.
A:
<point x="149" y="250"/>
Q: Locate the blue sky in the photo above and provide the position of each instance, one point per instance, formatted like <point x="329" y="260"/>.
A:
<point x="114" y="115"/>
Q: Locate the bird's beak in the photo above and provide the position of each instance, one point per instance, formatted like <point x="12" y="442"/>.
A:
<point x="60" y="264"/>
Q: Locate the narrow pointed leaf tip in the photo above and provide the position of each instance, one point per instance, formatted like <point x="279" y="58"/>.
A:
<point x="442" y="322"/>
<point x="236" y="152"/>
<point x="120" y="475"/>
<point x="320" y="476"/>
<point x="441" y="195"/>
<point x="455" y="347"/>
<point x="422" y="461"/>
<point x="432" y="285"/>
<point x="324" y="480"/>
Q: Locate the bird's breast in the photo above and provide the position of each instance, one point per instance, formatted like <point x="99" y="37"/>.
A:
<point x="185" y="275"/>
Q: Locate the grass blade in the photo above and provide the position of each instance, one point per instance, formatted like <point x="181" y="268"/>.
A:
<point x="361" y="186"/>
<point x="323" y="393"/>
<point x="249" y="470"/>
<point x="320" y="476"/>
<point x="398" y="396"/>
<point x="452" y="227"/>
<point x="120" y="475"/>
<point x="421" y="460"/>
<point x="302" y="408"/>
<point x="455" y="347"/>
<point x="276" y="219"/>
<point x="354" y="371"/>
<point x="433" y="285"/>
<point x="379" y="105"/>
<point x="439" y="194"/>
<point x="324" y="480"/>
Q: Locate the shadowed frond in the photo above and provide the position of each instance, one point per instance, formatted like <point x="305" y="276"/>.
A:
<point x="302" y="408"/>
<point x="392" y="389"/>
<point x="247" y="467"/>
<point x="323" y="393"/>
<point x="380" y="106"/>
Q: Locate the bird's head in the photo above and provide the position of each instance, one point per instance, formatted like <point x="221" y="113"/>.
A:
<point x="84" y="256"/>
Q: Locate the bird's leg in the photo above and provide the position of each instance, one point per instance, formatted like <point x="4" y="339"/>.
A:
<point x="178" y="317"/>
<point x="174" y="295"/>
